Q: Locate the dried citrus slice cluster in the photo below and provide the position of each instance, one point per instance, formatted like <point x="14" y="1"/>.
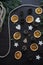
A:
<point x="23" y="35"/>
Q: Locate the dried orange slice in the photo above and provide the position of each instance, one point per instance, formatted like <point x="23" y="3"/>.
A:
<point x="38" y="10"/>
<point x="37" y="34"/>
<point x="14" y="18"/>
<point x="29" y="19"/>
<point x="17" y="35"/>
<point x="18" y="55"/>
<point x="34" y="47"/>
